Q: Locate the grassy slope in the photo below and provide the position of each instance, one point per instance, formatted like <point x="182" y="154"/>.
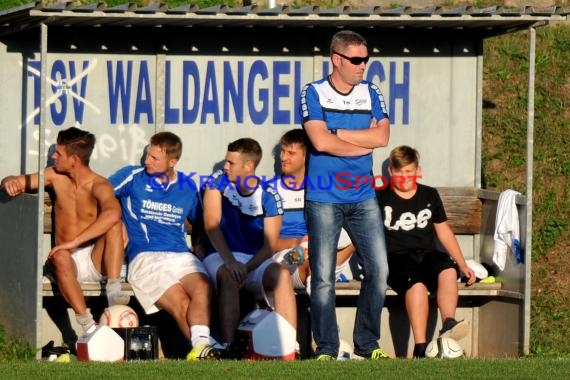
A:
<point x="504" y="139"/>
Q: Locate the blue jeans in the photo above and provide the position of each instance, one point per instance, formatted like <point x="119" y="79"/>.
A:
<point x="363" y="223"/>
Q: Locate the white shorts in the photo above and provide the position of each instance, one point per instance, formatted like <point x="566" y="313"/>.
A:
<point x="86" y="271"/>
<point x="254" y="279"/>
<point x="152" y="273"/>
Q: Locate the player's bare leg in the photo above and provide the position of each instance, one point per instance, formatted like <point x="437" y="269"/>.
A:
<point x="66" y="277"/>
<point x="417" y="307"/>
<point x="277" y="279"/>
<point x="447" y="293"/>
<point x="175" y="302"/>
<point x="108" y="257"/>
<point x="447" y="296"/>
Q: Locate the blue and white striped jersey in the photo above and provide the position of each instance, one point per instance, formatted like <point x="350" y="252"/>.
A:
<point x="294" y="225"/>
<point x="333" y="179"/>
<point x="242" y="215"/>
<point x="154" y="214"/>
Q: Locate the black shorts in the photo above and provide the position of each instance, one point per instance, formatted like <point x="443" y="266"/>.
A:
<point x="409" y="268"/>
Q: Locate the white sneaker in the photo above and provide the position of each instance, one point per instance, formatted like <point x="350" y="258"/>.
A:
<point x="455" y="329"/>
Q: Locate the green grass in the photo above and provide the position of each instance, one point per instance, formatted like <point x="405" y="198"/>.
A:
<point x="504" y="159"/>
<point x="14" y="349"/>
<point x="529" y="368"/>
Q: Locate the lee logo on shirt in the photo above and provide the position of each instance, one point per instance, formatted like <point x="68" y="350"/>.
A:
<point x="407" y="221"/>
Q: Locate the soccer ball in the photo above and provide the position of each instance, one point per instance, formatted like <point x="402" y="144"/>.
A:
<point x="444" y="347"/>
<point x="119" y="316"/>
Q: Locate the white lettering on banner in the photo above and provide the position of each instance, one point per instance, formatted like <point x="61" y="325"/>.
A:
<point x="202" y="91"/>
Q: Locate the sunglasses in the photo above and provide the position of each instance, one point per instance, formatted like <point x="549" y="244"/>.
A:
<point x="354" y="60"/>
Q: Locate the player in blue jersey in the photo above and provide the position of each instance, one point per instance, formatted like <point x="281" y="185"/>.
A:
<point x="345" y="118"/>
<point x="291" y="188"/>
<point x="156" y="201"/>
<point x="242" y="217"/>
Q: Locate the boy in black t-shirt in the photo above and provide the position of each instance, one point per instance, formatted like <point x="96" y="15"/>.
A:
<point x="414" y="216"/>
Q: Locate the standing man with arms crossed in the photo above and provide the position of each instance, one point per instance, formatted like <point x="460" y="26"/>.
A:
<point x="242" y="217"/>
<point x="345" y="118"/>
<point x="156" y="200"/>
<point x="88" y="232"/>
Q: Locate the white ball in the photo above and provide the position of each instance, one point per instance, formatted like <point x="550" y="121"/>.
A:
<point x="444" y="347"/>
<point x="119" y="316"/>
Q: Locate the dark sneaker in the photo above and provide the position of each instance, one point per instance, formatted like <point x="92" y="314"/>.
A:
<point x="203" y="352"/>
<point x="454" y="329"/>
<point x="49" y="350"/>
<point x="234" y="351"/>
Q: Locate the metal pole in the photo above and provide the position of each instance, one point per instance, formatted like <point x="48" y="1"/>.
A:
<point x="529" y="177"/>
<point x="479" y="118"/>
<point x="41" y="180"/>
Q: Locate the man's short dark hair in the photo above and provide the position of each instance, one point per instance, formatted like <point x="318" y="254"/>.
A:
<point x="345" y="38"/>
<point x="295" y="136"/>
<point x="247" y="147"/>
<point x="78" y="142"/>
<point x="169" y="143"/>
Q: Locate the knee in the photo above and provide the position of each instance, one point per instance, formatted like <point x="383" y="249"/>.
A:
<point x="116" y="232"/>
<point x="61" y="260"/>
<point x="417" y="290"/>
<point x="277" y="276"/>
<point x="225" y="280"/>
<point x="201" y="285"/>
<point x="447" y="276"/>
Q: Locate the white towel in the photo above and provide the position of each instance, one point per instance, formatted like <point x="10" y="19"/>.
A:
<point x="507" y="234"/>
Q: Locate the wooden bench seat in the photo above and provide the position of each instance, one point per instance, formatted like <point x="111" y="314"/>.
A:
<point x="343" y="289"/>
<point x="352" y="288"/>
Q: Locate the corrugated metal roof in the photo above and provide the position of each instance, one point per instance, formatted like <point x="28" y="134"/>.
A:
<point x="490" y="21"/>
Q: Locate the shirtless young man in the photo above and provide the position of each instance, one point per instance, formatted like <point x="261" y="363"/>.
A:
<point x="88" y="231"/>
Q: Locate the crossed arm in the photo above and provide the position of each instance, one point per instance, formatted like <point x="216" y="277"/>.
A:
<point x="348" y="142"/>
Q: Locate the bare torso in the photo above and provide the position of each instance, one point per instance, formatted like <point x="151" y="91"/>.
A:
<point x="76" y="206"/>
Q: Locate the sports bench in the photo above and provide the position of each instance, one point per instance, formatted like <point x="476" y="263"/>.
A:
<point x="495" y="310"/>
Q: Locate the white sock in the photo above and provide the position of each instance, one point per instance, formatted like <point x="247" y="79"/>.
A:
<point x="85" y="320"/>
<point x="114" y="294"/>
<point x="199" y="334"/>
